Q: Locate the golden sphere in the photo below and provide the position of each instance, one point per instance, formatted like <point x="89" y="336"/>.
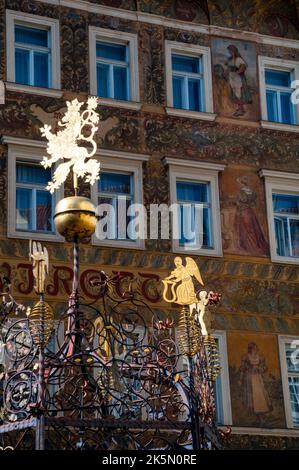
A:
<point x="75" y="218"/>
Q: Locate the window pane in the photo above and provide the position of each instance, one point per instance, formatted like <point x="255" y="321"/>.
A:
<point x="194" y="90"/>
<point x="207" y="232"/>
<point x="118" y="225"/>
<point x="286" y="203"/>
<point x="177" y="86"/>
<point x="115" y="183"/>
<point x="120" y="83"/>
<point x="41" y="69"/>
<point x="111" y="51"/>
<point x="278" y="78"/>
<point x="185" y="64"/>
<point x="44" y="211"/>
<point x="294" y="228"/>
<point x="32" y="174"/>
<point x="292" y="358"/>
<point x="32" y="36"/>
<point x="103" y="80"/>
<point x="22" y="67"/>
<point x="286" y="108"/>
<point x="24" y="209"/>
<point x="281" y="236"/>
<point x="189" y="191"/>
<point x="272" y="111"/>
<point x="294" y="395"/>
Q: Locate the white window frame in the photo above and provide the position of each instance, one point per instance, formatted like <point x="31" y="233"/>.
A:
<point x="282" y="183"/>
<point x="29" y="152"/>
<point x="115" y="37"/>
<point x="192" y="50"/>
<point x="198" y="172"/>
<point x="40" y="22"/>
<point x="127" y="163"/>
<point x="282" y="341"/>
<point x="281" y="65"/>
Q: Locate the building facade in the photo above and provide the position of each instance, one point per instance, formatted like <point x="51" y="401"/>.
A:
<point x="195" y="106"/>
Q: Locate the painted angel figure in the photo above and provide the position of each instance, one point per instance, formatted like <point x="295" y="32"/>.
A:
<point x="40" y="265"/>
<point x="181" y="282"/>
<point x="77" y="126"/>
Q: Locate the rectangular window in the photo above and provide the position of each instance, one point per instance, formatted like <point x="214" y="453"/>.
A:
<point x="289" y="356"/>
<point x="113" y="67"/>
<point x="190" y="193"/>
<point x="112" y="63"/>
<point x="34" y="204"/>
<point x="286" y="223"/>
<point x="277" y="79"/>
<point x="278" y="96"/>
<point x="117" y="190"/>
<point x="33" y="53"/>
<point x="187" y="83"/>
<point x="32" y="56"/>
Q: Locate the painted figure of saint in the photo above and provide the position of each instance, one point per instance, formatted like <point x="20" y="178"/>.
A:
<point x="247" y="228"/>
<point x="255" y="396"/>
<point x="236" y="74"/>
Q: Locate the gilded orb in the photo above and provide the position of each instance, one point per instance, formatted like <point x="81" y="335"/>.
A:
<point x="75" y="218"/>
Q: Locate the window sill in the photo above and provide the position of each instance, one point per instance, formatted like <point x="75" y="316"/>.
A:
<point x="197" y="252"/>
<point x="35" y="236"/>
<point x="191" y="114"/>
<point x="51" y="92"/>
<point x="284" y="260"/>
<point x="138" y="245"/>
<point x="278" y="126"/>
<point x="120" y="103"/>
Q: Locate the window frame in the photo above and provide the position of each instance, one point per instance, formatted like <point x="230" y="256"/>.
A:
<point x="125" y="163"/>
<point x="282" y="341"/>
<point x="24" y="152"/>
<point x="192" y="50"/>
<point x="281" y="183"/>
<point x="266" y="63"/>
<point x="116" y="37"/>
<point x="37" y="22"/>
<point x="198" y="172"/>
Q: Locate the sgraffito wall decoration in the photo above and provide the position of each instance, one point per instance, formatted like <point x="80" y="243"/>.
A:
<point x="273" y="17"/>
<point x="195" y="11"/>
<point x="255" y="380"/>
<point x="243" y="215"/>
<point x="235" y="78"/>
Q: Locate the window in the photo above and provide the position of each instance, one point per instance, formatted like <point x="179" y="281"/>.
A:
<point x="113" y="71"/>
<point x="34" y="204"/>
<point x="286" y="221"/>
<point x="119" y="186"/>
<point x="194" y="197"/>
<point x="282" y="196"/>
<point x="190" y="193"/>
<point x="32" y="51"/>
<point x="189" y="80"/>
<point x="32" y="56"/>
<point x="117" y="189"/>
<point x="276" y="76"/>
<point x="278" y="95"/>
<point x="30" y="204"/>
<point x="114" y="67"/>
<point x="289" y="357"/>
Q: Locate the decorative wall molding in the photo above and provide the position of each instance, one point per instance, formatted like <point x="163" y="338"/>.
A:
<point x="173" y="23"/>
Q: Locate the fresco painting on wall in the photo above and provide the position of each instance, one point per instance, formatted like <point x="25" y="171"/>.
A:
<point x="243" y="218"/>
<point x="255" y="382"/>
<point x="235" y="74"/>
